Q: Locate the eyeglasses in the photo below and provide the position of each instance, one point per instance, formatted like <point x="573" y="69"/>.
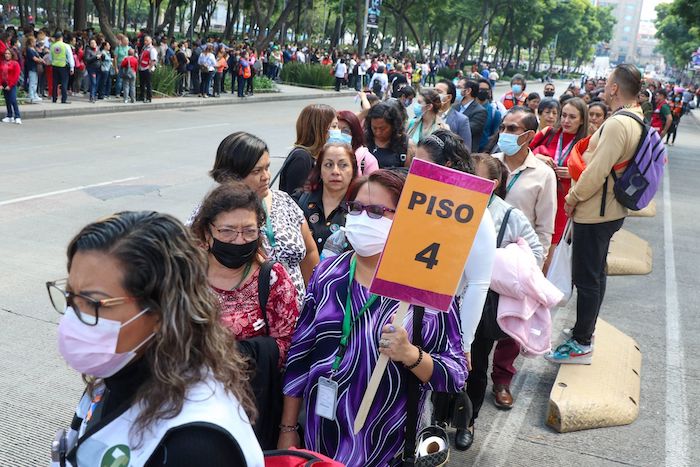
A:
<point x="229" y="235"/>
<point x="374" y="211"/>
<point x="86" y="308"/>
<point x="510" y="128"/>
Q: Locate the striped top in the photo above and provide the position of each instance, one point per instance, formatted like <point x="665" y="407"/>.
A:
<point x="314" y="346"/>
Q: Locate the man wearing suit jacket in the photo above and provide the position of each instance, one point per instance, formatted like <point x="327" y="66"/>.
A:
<point x="457" y="121"/>
<point x="472" y="110"/>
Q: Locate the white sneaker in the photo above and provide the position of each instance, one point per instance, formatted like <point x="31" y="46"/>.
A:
<point x="8" y="120"/>
<point x="18" y="121"/>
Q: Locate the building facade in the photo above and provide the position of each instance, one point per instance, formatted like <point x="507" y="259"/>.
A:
<point x="623" y="47"/>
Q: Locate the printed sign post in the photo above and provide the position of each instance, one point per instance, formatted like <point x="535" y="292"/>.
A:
<point x="431" y="236"/>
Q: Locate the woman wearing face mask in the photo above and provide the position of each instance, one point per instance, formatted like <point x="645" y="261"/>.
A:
<point x="352" y="134"/>
<point x="316" y="358"/>
<point x="553" y="147"/>
<point x="548" y="113"/>
<point x="165" y="387"/>
<point x="597" y="114"/>
<point x="312" y="127"/>
<point x="286" y="235"/>
<point x="426" y="109"/>
<point x="386" y="138"/>
<point x="446" y="149"/>
<point x="326" y="189"/>
<point x="258" y="299"/>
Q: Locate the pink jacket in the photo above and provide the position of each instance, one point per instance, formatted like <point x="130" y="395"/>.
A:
<point x="526" y="298"/>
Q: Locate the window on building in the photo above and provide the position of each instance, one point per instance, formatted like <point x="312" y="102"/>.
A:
<point x="628" y="18"/>
<point x="627" y="29"/>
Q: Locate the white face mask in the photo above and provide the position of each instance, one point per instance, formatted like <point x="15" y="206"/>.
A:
<point x="366" y="235"/>
<point x="92" y="350"/>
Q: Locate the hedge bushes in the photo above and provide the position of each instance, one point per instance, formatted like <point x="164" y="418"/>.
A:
<point x="307" y="75"/>
<point x="163" y="80"/>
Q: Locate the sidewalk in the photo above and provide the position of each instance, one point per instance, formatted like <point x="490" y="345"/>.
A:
<point x="80" y="105"/>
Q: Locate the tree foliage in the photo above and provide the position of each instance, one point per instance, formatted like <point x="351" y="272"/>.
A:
<point x="678" y="31"/>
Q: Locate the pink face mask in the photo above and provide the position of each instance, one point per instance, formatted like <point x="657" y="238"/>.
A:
<point x="92" y="349"/>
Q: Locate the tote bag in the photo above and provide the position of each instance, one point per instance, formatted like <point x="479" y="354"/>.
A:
<point x="560" y="272"/>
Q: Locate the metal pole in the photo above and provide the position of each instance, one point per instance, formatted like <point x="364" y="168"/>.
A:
<point x="364" y="29"/>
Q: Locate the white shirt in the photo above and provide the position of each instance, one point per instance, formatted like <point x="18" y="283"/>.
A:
<point x="301" y="58"/>
<point x="340" y="70"/>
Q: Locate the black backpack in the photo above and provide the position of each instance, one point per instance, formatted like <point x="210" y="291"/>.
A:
<point x="377" y="88"/>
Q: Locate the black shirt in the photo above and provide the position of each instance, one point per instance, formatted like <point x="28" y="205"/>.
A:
<point x="398" y="81"/>
<point x="190" y="445"/>
<point x="388" y="159"/>
<point x="295" y="170"/>
<point x="321" y="227"/>
<point x="181" y="61"/>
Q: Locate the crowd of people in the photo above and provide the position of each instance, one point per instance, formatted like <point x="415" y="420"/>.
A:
<point x="251" y="326"/>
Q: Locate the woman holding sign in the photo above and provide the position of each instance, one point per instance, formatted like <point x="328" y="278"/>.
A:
<point x="335" y="347"/>
<point x="447" y="149"/>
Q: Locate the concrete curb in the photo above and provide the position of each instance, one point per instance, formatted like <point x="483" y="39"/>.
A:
<point x="59" y="110"/>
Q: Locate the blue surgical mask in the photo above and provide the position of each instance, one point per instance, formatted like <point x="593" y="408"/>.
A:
<point x="517" y="89"/>
<point x="458" y="97"/>
<point x="346" y="138"/>
<point x="334" y="134"/>
<point x="417" y="110"/>
<point x="508" y="143"/>
<point x="408" y="103"/>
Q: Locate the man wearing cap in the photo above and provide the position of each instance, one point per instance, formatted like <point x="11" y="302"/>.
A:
<point x="63" y="65"/>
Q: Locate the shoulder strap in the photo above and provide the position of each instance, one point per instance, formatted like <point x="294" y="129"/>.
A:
<point x="409" y="450"/>
<point x="264" y="288"/>
<point x="304" y="200"/>
<point x="549" y="135"/>
<point x="502" y="230"/>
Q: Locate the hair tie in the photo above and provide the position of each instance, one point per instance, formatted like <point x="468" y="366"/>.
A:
<point x="434" y="138"/>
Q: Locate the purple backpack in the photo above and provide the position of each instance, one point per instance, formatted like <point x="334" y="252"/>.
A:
<point x="637" y="185"/>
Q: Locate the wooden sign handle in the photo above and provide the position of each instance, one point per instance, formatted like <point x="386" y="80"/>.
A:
<point x="376" y="377"/>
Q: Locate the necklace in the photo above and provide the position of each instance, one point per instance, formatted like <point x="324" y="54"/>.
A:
<point x="246" y="271"/>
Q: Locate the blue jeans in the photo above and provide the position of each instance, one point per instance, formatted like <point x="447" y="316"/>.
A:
<point x="103" y="83"/>
<point x="118" y="84"/>
<point x="11" y="102"/>
<point x="92" y="75"/>
<point x="33" y="82"/>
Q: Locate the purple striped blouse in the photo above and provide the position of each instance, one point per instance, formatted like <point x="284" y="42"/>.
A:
<point x="314" y="346"/>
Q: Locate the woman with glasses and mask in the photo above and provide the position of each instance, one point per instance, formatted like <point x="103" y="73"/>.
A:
<point x="258" y="300"/>
<point x="286" y="235"/>
<point x="326" y="189"/>
<point x="165" y="387"/>
<point x="445" y="148"/>
<point x="327" y="352"/>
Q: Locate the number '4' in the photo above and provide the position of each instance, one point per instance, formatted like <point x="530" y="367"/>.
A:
<point x="429" y="255"/>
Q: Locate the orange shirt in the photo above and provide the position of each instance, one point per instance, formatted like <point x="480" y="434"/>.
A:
<point x="221" y="65"/>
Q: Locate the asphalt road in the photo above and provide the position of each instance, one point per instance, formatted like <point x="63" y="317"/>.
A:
<point x="56" y="175"/>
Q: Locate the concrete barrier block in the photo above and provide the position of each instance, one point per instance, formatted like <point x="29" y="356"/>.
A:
<point x="605" y="393"/>
<point x="628" y="255"/>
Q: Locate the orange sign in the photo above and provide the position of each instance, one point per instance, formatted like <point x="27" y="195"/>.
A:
<point x="432" y="234"/>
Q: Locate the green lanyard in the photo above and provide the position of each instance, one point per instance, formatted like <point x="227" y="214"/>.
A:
<point x="269" y="232"/>
<point x="512" y="181"/>
<point x="348" y="322"/>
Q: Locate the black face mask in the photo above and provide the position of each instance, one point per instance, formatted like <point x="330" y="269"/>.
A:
<point x="549" y="94"/>
<point x="231" y="255"/>
<point x="483" y="95"/>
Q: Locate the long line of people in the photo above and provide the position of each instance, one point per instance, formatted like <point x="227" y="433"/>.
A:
<point x="151" y="309"/>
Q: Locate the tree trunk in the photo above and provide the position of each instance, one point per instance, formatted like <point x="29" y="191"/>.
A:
<point x="80" y="15"/>
<point x="263" y="38"/>
<point x="199" y="7"/>
<point x="459" y="39"/>
<point x="359" y="22"/>
<point x="105" y="25"/>
<point x="168" y="17"/>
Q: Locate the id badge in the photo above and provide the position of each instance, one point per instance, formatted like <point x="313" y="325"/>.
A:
<point x="326" y="398"/>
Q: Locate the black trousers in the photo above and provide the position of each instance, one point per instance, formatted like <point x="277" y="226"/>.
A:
<point x="338" y="83"/>
<point x="478" y="376"/>
<point x="145" y="84"/>
<point x="589" y="254"/>
<point x="60" y="76"/>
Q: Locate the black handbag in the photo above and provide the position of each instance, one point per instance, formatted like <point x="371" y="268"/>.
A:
<point x="436" y="457"/>
<point x="488" y="326"/>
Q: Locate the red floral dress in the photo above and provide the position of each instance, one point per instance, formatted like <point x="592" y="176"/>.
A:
<point x="241" y="313"/>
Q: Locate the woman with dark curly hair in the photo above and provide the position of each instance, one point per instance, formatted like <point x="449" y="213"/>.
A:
<point x="386" y="137"/>
<point x="165" y="385"/>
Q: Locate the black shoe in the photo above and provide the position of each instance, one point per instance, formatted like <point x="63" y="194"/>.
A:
<point x="464" y="439"/>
